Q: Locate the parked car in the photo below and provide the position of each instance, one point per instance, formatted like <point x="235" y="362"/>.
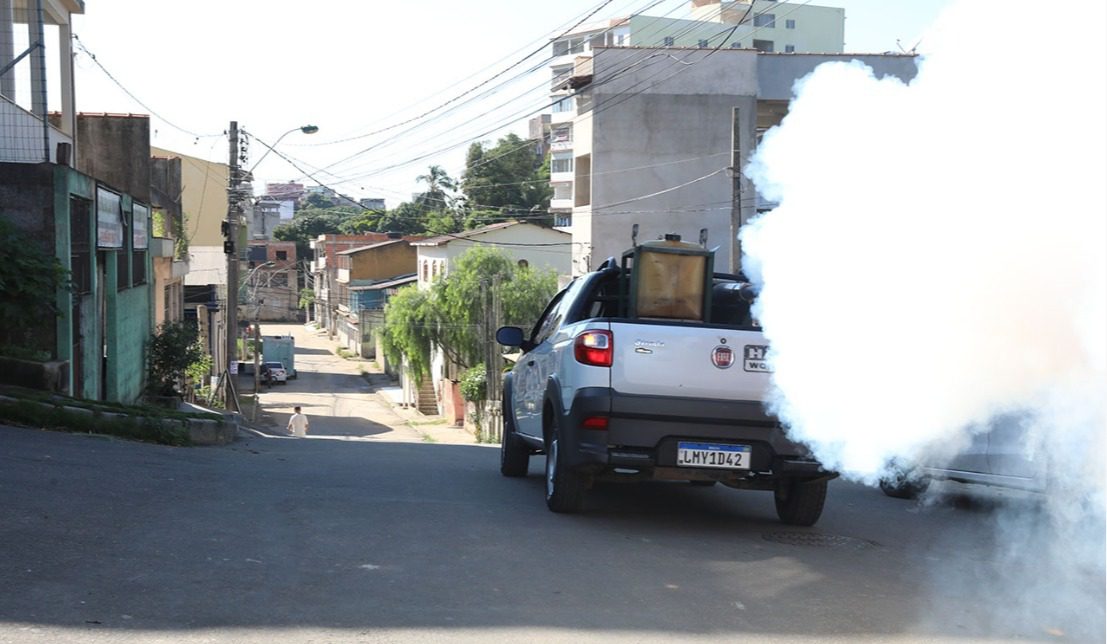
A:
<point x="274" y="372"/>
<point x="997" y="457"/>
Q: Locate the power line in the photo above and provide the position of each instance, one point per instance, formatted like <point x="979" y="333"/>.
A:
<point x="128" y="92"/>
<point x="514" y="116"/>
<point x="527" y="111"/>
<point x="478" y="85"/>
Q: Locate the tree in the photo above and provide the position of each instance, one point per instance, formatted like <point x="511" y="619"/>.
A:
<point x="406" y="332"/>
<point x="174" y="350"/>
<point x="449" y="314"/>
<point x="508" y="179"/>
<point x="439" y="186"/>
<point x="29" y="279"/>
<point x="308" y="224"/>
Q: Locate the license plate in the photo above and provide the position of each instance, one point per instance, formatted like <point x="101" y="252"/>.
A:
<point x="728" y="457"/>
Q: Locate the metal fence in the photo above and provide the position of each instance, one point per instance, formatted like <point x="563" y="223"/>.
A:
<point x="24" y="138"/>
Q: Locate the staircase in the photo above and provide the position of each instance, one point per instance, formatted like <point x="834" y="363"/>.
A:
<point x="426" y="401"/>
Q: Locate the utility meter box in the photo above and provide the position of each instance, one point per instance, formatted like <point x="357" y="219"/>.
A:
<point x="670" y="279"/>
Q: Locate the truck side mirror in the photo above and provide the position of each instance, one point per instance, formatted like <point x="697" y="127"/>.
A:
<point x="510" y="336"/>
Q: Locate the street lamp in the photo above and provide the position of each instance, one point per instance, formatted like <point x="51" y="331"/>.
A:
<point x="306" y="129"/>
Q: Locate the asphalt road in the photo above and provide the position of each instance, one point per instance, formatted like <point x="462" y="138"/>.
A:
<point x="364" y="538"/>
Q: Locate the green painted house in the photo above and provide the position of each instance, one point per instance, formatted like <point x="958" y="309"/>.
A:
<point x="101" y="236"/>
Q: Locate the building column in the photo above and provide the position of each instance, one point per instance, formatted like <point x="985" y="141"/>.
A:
<point x="68" y="101"/>
<point x="7" y="47"/>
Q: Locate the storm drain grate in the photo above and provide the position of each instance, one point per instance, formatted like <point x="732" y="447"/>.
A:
<point x="815" y="540"/>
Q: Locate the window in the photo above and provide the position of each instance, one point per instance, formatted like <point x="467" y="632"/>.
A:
<point x="561" y="74"/>
<point x="551" y="320"/>
<point x="426" y="271"/>
<point x="563" y="190"/>
<point x="282" y="255"/>
<point x="561" y="134"/>
<point x="564" y="105"/>
<point x="563" y="219"/>
<point x="763" y="45"/>
<point x="561" y="164"/>
<point x="789" y="24"/>
<point x="669" y="41"/>
<point x="279" y="280"/>
<point x="789" y="49"/>
<point x="568" y="46"/>
<point x="702" y="43"/>
<point x="767" y="20"/>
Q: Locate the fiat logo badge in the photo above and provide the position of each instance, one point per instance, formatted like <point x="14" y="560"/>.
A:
<point x="722" y="357"/>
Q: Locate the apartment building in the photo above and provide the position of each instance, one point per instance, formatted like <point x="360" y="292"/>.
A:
<point x="659" y="152"/>
<point x="759" y="25"/>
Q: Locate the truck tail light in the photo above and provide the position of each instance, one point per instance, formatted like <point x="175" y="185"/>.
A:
<point x="594" y="348"/>
<point x="594" y="422"/>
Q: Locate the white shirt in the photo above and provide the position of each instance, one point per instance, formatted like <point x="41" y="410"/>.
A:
<point x="298" y="424"/>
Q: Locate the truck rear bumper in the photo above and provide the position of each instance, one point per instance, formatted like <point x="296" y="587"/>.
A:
<point x="643" y="433"/>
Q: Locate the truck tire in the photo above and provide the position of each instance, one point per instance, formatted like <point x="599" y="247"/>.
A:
<point x="799" y="502"/>
<point x="514" y="454"/>
<point x="564" y="489"/>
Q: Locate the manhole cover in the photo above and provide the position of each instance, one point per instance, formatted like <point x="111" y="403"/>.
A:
<point x="815" y="540"/>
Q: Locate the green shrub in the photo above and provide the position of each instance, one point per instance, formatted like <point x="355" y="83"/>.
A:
<point x="150" y="429"/>
<point x="474" y="388"/>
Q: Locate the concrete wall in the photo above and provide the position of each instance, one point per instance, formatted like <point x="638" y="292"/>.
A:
<point x="204" y="199"/>
<point x="128" y="330"/>
<point x="672" y="131"/>
<point x="115" y="149"/>
<point x="207" y="265"/>
<point x="777" y="75"/>
<point x="382" y="262"/>
<point x="660" y="145"/>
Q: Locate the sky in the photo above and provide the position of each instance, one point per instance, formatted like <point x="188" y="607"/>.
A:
<point x="353" y="68"/>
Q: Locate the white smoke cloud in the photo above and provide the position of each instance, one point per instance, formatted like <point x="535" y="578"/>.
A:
<point x="939" y="256"/>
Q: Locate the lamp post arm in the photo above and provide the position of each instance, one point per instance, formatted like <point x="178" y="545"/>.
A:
<point x="306" y="129"/>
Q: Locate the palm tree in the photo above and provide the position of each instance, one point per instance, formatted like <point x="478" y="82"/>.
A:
<point x="438" y="183"/>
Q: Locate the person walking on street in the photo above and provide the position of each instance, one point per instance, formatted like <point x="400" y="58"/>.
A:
<point x="298" y="424"/>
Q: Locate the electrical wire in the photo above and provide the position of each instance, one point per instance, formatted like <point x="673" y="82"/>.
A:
<point x="687" y="29"/>
<point x="92" y="56"/>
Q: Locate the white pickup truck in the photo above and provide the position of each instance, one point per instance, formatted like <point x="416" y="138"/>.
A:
<point x="612" y="387"/>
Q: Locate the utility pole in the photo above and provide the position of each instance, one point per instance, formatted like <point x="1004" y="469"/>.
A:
<point x="736" y="192"/>
<point x="230" y="248"/>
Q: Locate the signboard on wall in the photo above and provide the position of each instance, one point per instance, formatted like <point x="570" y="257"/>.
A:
<point x="140" y="237"/>
<point x="109" y="219"/>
